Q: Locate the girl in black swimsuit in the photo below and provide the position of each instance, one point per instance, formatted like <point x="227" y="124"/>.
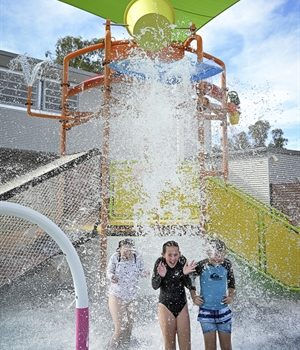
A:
<point x="170" y="274"/>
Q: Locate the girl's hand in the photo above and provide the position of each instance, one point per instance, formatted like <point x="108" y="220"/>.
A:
<point x="161" y="269"/>
<point x="114" y="279"/>
<point x="228" y="299"/>
<point x="146" y="273"/>
<point x="188" y="268"/>
<point x="197" y="300"/>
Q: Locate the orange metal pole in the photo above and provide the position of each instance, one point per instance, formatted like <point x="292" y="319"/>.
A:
<point x="224" y="126"/>
<point x="64" y="107"/>
<point x="199" y="49"/>
<point x="105" y="156"/>
<point x="63" y="138"/>
<point x="215" y="59"/>
<point x="64" y="95"/>
<point x="87" y="84"/>
<point x="201" y="160"/>
<point x="78" y="122"/>
<point x="224" y="122"/>
<point x="225" y="149"/>
<point x="201" y="134"/>
<point x="82" y="51"/>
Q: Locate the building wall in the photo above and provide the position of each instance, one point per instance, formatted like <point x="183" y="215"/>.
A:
<point x="284" y="168"/>
<point x="19" y="131"/>
<point x="286" y="198"/>
<point x="252" y="176"/>
<point x="85" y="137"/>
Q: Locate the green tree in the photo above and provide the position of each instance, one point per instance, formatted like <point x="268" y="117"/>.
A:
<point x="278" y="140"/>
<point x="241" y="141"/>
<point x="91" y="61"/>
<point x="258" y="132"/>
<point x="216" y="149"/>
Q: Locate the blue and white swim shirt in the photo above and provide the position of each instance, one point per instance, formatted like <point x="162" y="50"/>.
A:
<point x="214" y="283"/>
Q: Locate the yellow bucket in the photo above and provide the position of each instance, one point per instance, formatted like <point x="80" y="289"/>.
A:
<point x="234" y="118"/>
<point x="149" y="22"/>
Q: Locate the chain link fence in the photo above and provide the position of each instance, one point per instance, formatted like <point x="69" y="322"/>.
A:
<point x="68" y="194"/>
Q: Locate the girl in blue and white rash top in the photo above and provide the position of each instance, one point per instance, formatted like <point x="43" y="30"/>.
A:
<point x="217" y="289"/>
<point x="124" y="269"/>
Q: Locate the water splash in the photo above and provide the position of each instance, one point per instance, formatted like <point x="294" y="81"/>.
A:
<point x="154" y="127"/>
<point x="30" y="68"/>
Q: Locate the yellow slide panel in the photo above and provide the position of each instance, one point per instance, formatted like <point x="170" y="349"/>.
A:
<point x="282" y="252"/>
<point x="255" y="232"/>
<point x="235" y="221"/>
<point x="125" y="193"/>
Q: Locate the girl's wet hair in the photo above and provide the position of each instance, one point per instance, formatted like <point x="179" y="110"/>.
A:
<point x="126" y="241"/>
<point x="217" y="245"/>
<point x="169" y="244"/>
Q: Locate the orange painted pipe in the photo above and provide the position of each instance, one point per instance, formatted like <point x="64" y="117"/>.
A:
<point x="199" y="50"/>
<point x="41" y="115"/>
<point x="87" y="84"/>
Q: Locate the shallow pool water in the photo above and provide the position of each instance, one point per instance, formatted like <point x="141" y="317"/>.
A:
<point x="37" y="311"/>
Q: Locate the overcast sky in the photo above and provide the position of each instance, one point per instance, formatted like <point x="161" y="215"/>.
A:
<point x="259" y="41"/>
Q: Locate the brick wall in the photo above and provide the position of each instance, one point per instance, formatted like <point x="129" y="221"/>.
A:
<point x="286" y="198"/>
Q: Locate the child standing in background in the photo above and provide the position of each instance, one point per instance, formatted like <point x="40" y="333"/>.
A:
<point x="217" y="289"/>
<point x="124" y="269"/>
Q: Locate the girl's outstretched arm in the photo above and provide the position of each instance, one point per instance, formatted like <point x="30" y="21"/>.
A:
<point x="156" y="277"/>
<point x="111" y="267"/>
<point x="143" y="272"/>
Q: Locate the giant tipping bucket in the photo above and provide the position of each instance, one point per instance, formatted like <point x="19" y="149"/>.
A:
<point x="234" y="118"/>
<point x="149" y="22"/>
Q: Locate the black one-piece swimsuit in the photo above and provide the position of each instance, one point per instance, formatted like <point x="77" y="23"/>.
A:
<point x="172" y="292"/>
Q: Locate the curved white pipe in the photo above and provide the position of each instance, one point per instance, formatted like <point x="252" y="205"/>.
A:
<point x="13" y="209"/>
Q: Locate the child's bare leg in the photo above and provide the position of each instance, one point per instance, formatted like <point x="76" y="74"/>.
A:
<point x="225" y="340"/>
<point x="167" y="323"/>
<point x="210" y="341"/>
<point x="130" y="320"/>
<point x="183" y="329"/>
<point x="117" y="313"/>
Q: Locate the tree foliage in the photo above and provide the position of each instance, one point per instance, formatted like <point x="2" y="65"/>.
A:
<point x="241" y="141"/>
<point x="91" y="61"/>
<point x="278" y="140"/>
<point x="257" y="136"/>
<point x="259" y="133"/>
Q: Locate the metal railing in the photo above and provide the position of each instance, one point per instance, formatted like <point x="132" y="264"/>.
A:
<point x="46" y="93"/>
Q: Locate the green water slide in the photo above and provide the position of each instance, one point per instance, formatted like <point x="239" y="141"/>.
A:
<point x="257" y="233"/>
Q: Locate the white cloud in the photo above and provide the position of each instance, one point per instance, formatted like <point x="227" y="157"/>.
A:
<point x="34" y="27"/>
